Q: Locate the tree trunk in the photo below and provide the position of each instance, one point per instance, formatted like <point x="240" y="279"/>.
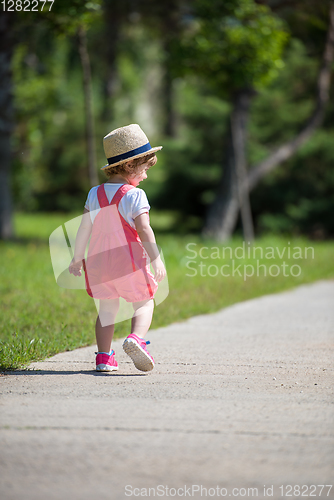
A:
<point x="87" y="83"/>
<point x="168" y="96"/>
<point x="6" y="126"/>
<point x="170" y="19"/>
<point x="232" y="191"/>
<point x="239" y="128"/>
<point x="115" y="13"/>
<point x="223" y="212"/>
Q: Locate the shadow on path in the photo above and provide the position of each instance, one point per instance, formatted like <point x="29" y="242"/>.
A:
<point x="74" y="372"/>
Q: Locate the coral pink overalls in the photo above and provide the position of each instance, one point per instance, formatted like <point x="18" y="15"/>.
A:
<point x="117" y="263"/>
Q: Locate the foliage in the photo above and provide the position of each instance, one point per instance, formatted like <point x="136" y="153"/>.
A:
<point x="63" y="18"/>
<point x="298" y="198"/>
<point x="48" y="105"/>
<point x="235" y="44"/>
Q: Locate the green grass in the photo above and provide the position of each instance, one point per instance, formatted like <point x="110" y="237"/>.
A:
<point x="39" y="319"/>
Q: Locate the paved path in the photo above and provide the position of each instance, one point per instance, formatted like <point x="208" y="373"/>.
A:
<point x="238" y="400"/>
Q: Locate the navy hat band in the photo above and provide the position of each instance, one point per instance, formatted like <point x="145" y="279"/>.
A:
<point x="129" y="154"/>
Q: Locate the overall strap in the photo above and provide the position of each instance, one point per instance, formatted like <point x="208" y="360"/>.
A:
<point x="120" y="193"/>
<point x="102" y="197"/>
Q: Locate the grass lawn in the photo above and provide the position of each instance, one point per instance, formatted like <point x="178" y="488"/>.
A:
<point x="39" y="319"/>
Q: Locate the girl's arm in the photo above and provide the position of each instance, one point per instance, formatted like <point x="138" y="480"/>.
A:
<point x="146" y="235"/>
<point x="81" y="241"/>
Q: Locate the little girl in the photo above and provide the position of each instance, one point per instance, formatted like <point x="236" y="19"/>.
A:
<point x="122" y="246"/>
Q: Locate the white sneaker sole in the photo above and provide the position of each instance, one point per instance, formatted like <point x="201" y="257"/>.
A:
<point x="139" y="357"/>
<point x="106" y="368"/>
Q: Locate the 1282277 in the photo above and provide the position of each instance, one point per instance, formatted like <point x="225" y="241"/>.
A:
<point x="26" y="5"/>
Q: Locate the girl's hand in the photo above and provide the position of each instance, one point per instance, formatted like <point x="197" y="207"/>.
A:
<point x="159" y="269"/>
<point x="75" y="267"/>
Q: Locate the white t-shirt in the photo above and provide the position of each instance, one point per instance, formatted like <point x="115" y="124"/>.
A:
<point x="133" y="203"/>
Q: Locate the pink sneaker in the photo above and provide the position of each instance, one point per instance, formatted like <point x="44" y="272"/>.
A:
<point x="106" y="362"/>
<point x="135" y="347"/>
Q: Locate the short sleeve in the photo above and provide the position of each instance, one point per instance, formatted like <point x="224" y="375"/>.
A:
<point x="140" y="203"/>
<point x="134" y="203"/>
<point x="89" y="197"/>
<point x="87" y="201"/>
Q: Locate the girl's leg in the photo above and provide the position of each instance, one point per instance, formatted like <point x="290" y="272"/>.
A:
<point x="107" y="316"/>
<point x="142" y="318"/>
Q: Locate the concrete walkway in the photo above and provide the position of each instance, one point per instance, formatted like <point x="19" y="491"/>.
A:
<point x="239" y="404"/>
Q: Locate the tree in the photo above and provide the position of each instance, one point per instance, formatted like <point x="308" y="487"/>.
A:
<point x="286" y="150"/>
<point x="76" y="19"/>
<point x="164" y="19"/>
<point x="115" y="15"/>
<point x="87" y="84"/>
<point x="6" y="124"/>
<point x="236" y="46"/>
<point x="14" y="27"/>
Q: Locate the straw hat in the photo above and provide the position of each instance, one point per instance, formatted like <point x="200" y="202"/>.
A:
<point x="126" y="143"/>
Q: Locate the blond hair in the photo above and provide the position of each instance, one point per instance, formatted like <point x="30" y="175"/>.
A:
<point x="132" y="166"/>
